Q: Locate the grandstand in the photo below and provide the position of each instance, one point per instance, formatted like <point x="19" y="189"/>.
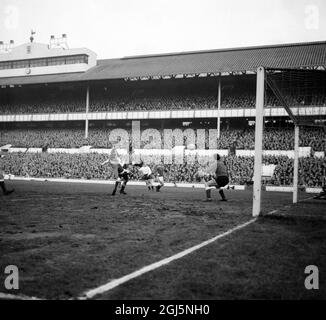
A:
<point x="63" y="98"/>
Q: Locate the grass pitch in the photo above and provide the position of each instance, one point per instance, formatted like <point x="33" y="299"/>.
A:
<point x="69" y="238"/>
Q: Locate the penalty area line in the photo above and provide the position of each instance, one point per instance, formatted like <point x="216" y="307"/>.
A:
<point x="287" y="206"/>
<point x="117" y="282"/>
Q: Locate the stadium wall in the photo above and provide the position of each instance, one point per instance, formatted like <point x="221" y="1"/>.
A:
<point x="173" y="114"/>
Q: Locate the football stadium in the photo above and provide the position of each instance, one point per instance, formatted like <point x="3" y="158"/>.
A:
<point x="107" y="180"/>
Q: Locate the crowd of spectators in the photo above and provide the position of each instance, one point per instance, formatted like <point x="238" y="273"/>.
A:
<point x="88" y="166"/>
<point x="67" y="106"/>
<point x="148" y="103"/>
<point x="41" y="101"/>
<point x="311" y="171"/>
<point x="193" y="98"/>
<point x="281" y="138"/>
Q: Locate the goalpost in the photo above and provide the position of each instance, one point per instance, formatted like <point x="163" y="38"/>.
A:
<point x="258" y="163"/>
<point x="300" y="96"/>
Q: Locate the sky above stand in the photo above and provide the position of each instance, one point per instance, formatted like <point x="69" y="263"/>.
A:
<point x="117" y="28"/>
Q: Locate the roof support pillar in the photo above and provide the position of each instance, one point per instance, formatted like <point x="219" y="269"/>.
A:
<point x="219" y="91"/>
<point x="86" y="114"/>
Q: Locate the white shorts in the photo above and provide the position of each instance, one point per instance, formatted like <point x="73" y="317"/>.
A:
<point x="211" y="184"/>
<point x="115" y="171"/>
<point x="158" y="181"/>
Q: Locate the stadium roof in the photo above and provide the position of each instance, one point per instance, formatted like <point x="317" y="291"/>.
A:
<point x="224" y="61"/>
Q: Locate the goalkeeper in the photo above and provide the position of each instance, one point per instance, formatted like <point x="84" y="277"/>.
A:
<point x="146" y="174"/>
<point x="219" y="178"/>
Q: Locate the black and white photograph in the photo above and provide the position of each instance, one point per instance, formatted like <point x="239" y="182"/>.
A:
<point x="162" y="151"/>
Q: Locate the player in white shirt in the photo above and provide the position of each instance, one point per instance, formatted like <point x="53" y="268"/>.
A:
<point x="146" y="174"/>
<point x="120" y="172"/>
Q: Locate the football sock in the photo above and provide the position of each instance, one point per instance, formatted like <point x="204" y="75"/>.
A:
<point x="221" y="192"/>
<point x="122" y="190"/>
<point x="3" y="187"/>
<point x="4" y="190"/>
<point x="115" y="188"/>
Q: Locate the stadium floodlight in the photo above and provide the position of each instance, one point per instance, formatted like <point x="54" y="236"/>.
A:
<point x="32" y="35"/>
<point x="6" y="47"/>
<point x="60" y="42"/>
<point x="11" y="44"/>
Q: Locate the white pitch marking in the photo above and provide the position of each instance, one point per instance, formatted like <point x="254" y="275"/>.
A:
<point x="287" y="206"/>
<point x="117" y="282"/>
<point x="272" y="212"/>
<point x="306" y="199"/>
<point x="8" y="296"/>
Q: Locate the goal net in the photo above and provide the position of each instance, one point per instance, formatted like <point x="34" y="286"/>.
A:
<point x="290" y="132"/>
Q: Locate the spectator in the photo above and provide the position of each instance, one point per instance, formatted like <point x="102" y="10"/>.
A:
<point x="87" y="166"/>
<point x="274" y="138"/>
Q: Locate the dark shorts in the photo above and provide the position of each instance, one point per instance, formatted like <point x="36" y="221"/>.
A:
<point x="147" y="177"/>
<point x="222" y="181"/>
<point x="124" y="176"/>
<point x="217" y="183"/>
